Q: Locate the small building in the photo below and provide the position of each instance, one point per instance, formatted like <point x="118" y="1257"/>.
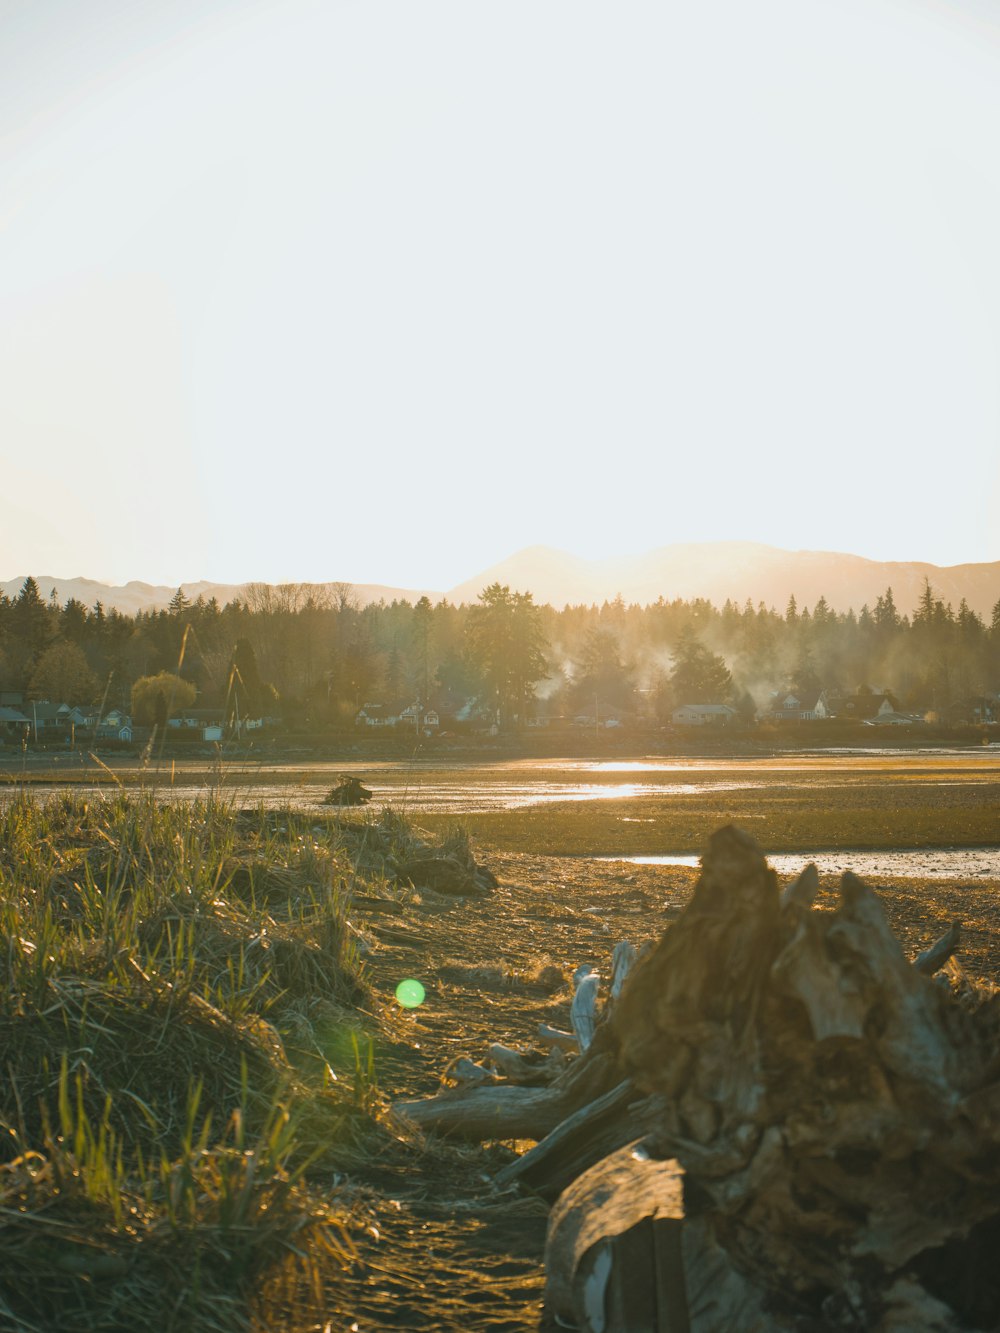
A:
<point x="863" y="704"/>
<point x="703" y="715"/>
<point x="115" y="725"/>
<point x="421" y="719"/>
<point x="82" y="717"/>
<point x="13" y="723"/>
<point x="799" y="706"/>
<point x="375" y="715"/>
<point x="888" y="717"/>
<point x="205" y="724"/>
<point x="44" y="716"/>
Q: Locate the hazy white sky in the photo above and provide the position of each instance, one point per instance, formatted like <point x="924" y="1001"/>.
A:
<point x="383" y="292"/>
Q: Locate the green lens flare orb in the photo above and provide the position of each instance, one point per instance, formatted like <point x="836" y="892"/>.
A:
<point x="410" y="993"/>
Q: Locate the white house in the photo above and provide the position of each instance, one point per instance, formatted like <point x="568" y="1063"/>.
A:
<point x="375" y="715"/>
<point x="115" y="726"/>
<point x="799" y="707"/>
<point x="415" y="715"/>
<point x="887" y="716"/>
<point x="206" y="721"/>
<point x="703" y="715"/>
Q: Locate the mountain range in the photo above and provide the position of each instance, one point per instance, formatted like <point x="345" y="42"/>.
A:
<point x="737" y="570"/>
<point x="713" y="570"/>
<point x="135" y="596"/>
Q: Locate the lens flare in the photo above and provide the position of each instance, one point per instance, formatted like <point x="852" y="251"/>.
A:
<point x="410" y="993"/>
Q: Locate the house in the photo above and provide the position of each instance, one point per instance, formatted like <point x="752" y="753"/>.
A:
<point x="115" y="725"/>
<point x="888" y="717"/>
<point x="703" y="715"/>
<point x="420" y="718"/>
<point x="800" y="706"/>
<point x="205" y="724"/>
<point x="45" y="717"/>
<point x="82" y="717"/>
<point x="864" y="703"/>
<point x="13" y="723"/>
<point x="375" y="715"/>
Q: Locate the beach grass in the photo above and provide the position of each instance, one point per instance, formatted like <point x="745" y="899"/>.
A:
<point x="177" y="984"/>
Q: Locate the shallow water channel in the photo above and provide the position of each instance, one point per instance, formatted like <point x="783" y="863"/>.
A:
<point x="454" y="787"/>
<point x="935" y="863"/>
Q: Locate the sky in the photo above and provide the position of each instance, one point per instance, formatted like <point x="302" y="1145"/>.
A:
<point x="384" y="292"/>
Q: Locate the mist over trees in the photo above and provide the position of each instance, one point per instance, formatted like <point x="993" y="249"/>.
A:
<point x="312" y="655"/>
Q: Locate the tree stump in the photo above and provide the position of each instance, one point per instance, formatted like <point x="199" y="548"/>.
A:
<point x="834" y="1110"/>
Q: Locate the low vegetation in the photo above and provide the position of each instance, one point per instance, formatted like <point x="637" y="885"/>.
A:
<point x="183" y="1052"/>
<point x="806" y="814"/>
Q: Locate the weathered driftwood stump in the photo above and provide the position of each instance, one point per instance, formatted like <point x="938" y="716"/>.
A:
<point x="349" y="791"/>
<point x="834" y="1110"/>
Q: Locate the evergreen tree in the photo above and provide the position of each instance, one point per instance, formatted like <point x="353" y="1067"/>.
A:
<point x="246" y="691"/>
<point x="507" y="646"/>
<point x="601" y="673"/>
<point x="698" y="675"/>
<point x="422" y="628"/>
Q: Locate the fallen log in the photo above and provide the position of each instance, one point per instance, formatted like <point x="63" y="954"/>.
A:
<point x="465" y="1073"/>
<point x="555" y="1037"/>
<point x="530" y="1070"/>
<point x="510" y="1111"/>
<point x="621" y="1116"/>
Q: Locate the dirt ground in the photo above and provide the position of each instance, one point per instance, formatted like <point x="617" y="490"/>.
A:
<point x="439" y="1248"/>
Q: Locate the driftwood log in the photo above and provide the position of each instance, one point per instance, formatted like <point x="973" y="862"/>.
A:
<point x="779" y="1123"/>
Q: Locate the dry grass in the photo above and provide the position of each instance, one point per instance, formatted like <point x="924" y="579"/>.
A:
<point x="176" y="984"/>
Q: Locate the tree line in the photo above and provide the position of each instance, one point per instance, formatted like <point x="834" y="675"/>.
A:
<point x="312" y="654"/>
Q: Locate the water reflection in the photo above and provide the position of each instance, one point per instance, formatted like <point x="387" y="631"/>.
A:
<point x="948" y="863"/>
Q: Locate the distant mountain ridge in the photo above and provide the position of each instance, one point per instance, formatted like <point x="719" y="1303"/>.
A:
<point x="713" y="570"/>
<point x="736" y="570"/>
<point x="135" y="596"/>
